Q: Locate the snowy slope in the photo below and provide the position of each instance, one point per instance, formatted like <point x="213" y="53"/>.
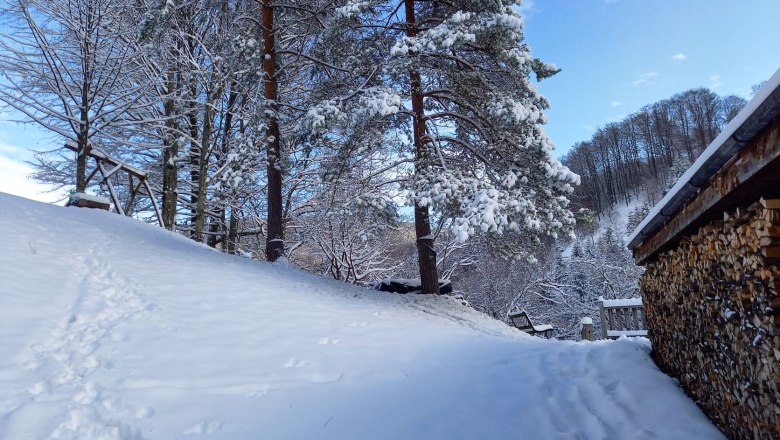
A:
<point x="111" y="328"/>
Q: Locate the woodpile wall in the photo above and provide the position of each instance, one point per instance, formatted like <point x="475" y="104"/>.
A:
<point x="713" y="312"/>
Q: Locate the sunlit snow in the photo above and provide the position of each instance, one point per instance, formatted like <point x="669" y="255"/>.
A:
<point x="114" y="329"/>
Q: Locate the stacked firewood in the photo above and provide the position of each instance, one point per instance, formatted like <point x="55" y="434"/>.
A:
<point x="713" y="313"/>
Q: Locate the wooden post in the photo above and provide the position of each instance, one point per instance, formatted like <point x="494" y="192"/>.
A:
<point x="587" y="329"/>
<point x="603" y="316"/>
<point x="154" y="204"/>
<point x="111" y="191"/>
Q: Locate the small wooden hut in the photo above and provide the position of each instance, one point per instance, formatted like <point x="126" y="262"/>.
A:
<point x="711" y="249"/>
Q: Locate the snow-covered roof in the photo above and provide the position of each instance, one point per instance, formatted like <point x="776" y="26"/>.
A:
<point x="749" y="121"/>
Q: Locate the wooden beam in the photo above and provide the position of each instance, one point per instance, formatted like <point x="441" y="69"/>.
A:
<point x="98" y="155"/>
<point x="111" y="191"/>
<point x="770" y="203"/>
<point x="752" y="173"/>
<point x="92" y="174"/>
<point x="154" y="203"/>
<point x="133" y="192"/>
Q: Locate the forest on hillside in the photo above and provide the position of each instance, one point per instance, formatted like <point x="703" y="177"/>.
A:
<point x="356" y="139"/>
<point x="625" y="167"/>
<point x="639" y="157"/>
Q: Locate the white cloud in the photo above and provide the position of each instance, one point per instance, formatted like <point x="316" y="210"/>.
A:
<point x="715" y="81"/>
<point x="615" y="104"/>
<point x="14" y="178"/>
<point x="14" y="152"/>
<point x="644" y="78"/>
<point x="526" y="7"/>
<point x="680" y="57"/>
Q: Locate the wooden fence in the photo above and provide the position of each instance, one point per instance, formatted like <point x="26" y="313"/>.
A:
<point x="622" y="317"/>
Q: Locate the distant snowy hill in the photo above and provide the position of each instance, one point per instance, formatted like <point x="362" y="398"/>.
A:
<point x="114" y="329"/>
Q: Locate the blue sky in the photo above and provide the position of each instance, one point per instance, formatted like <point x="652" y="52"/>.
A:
<point x="616" y="56"/>
<point x="619" y="55"/>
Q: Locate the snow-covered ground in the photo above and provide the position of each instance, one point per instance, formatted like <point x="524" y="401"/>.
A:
<point x="111" y="328"/>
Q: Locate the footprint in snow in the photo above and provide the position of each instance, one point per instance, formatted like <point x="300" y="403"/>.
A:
<point x="358" y="324"/>
<point x="326" y="377"/>
<point x="117" y="405"/>
<point x="32" y="365"/>
<point x="39" y="388"/>
<point x="294" y="363"/>
<point x="329" y="341"/>
<point x="259" y="391"/>
<point x="209" y="427"/>
<point x="88" y="394"/>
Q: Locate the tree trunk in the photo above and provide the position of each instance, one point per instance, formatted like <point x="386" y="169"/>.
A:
<point x="426" y="255"/>
<point x="170" y="152"/>
<point x="217" y="225"/>
<point x="84" y="123"/>
<point x="274" y="247"/>
<point x="81" y="159"/>
<point x="195" y="155"/>
<point x="195" y="150"/>
<point x="232" y="238"/>
<point x="203" y="160"/>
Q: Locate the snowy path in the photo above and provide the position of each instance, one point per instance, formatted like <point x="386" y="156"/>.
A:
<point x="112" y="329"/>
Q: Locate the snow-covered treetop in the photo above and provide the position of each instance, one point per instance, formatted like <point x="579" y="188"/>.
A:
<point x="487" y="161"/>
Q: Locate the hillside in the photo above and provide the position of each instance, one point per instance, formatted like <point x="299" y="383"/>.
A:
<point x="114" y="329"/>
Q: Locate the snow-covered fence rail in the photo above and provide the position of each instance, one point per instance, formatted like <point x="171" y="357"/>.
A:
<point x="622" y="317"/>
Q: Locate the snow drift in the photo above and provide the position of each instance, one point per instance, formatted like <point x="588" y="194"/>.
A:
<point x="112" y="328"/>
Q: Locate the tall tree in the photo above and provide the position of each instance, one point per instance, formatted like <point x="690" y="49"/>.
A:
<point x="457" y="76"/>
<point x="275" y="238"/>
<point x="291" y="31"/>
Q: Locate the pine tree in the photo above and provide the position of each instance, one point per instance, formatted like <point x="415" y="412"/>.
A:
<point x="456" y="76"/>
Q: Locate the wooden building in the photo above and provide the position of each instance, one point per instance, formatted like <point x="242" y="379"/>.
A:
<point x="711" y="249"/>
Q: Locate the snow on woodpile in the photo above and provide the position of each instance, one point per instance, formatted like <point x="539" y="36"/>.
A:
<point x="132" y="332"/>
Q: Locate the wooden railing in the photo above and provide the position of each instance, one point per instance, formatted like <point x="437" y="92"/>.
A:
<point x="622" y="317"/>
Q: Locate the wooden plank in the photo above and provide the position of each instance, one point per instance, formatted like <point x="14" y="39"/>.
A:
<point x="771" y="252"/>
<point x="154" y="203"/>
<point x="753" y="170"/>
<point x="91" y="175"/>
<point x="111" y="191"/>
<point x="770" y="203"/>
<point x="97" y="154"/>
<point x="604" y="323"/>
<point x="133" y="192"/>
